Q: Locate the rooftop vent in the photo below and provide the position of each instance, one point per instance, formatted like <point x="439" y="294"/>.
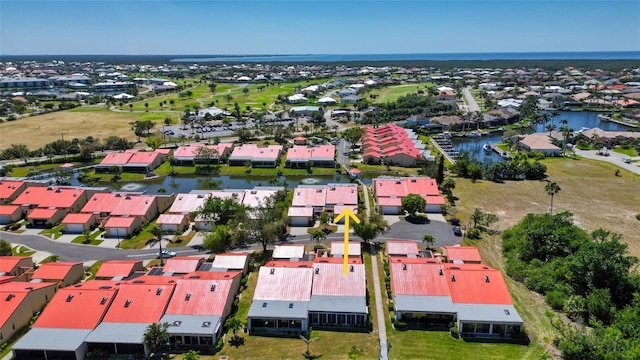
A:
<point x="200" y="196"/>
<point x="69" y="297"/>
<point x="290" y="305"/>
<point x="351" y="268"/>
<point x="103" y="301"/>
<point x="177" y="323"/>
<point x="118" y="195"/>
<point x="159" y="291"/>
<point x="413" y="180"/>
<point x="272" y="271"/>
<point x="187" y="297"/>
<point x="253" y="192"/>
<point x="58" y="190"/>
<point x="75" y="194"/>
<point x="506" y="312"/>
<point x="9" y="297"/>
<point x="264" y="304"/>
<point x="127" y="197"/>
<point x="127" y="303"/>
<point x="398" y="182"/>
<point x="213" y="287"/>
<point x="206" y="324"/>
<point x="486" y="279"/>
<point x="318" y="190"/>
<point x="440" y="272"/>
<point x="404" y="266"/>
<point x="453" y="278"/>
<point x="317" y="271"/>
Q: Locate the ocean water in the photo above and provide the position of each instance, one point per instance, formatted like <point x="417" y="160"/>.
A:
<point x="609" y="55"/>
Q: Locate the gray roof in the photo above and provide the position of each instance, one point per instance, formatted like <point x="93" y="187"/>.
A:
<point x="343" y="304"/>
<point x="488" y="313"/>
<point x="52" y="339"/>
<point x="426" y="304"/>
<point x="193" y="324"/>
<point x="278" y="309"/>
<point x="122" y="333"/>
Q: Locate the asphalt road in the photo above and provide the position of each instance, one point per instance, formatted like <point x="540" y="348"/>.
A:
<point x="472" y="105"/>
<point x="76" y="252"/>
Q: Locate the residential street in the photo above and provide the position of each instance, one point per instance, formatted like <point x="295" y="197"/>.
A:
<point x="472" y="105"/>
<point x="612" y="158"/>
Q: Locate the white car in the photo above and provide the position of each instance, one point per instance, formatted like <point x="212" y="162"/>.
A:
<point x="627" y="160"/>
<point x="166" y="254"/>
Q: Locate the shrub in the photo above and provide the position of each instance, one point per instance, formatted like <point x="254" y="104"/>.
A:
<point x="555" y="299"/>
<point x="638" y="217"/>
<point x="318" y="247"/>
<point x="473" y="233"/>
<point x="454" y="221"/>
<point x="454" y="331"/>
<point x="391" y="306"/>
<point x="15" y="226"/>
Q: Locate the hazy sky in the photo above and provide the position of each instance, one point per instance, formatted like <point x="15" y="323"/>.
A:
<point x="315" y="27"/>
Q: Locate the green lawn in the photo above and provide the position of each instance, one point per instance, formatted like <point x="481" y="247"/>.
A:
<point x="181" y="240"/>
<point x="53" y="233"/>
<point x="94" y="269"/>
<point x="93" y="239"/>
<point x="22" y="251"/>
<point x="392" y="93"/>
<point x="629" y="152"/>
<point x="139" y="241"/>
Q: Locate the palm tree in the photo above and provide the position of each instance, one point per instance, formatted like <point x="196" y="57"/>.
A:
<point x="552" y="189"/>
<point x="172" y="103"/>
<point x="146" y="105"/>
<point x="156" y="231"/>
<point x="318" y="236"/>
<point x="550" y="128"/>
<point x="428" y="240"/>
<point x="156" y="335"/>
<point x="308" y="341"/>
<point x="234" y="324"/>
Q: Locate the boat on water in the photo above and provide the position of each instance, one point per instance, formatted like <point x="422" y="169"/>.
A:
<point x="505" y="155"/>
<point x="487" y="147"/>
<point x="474" y="134"/>
<point x="603" y="117"/>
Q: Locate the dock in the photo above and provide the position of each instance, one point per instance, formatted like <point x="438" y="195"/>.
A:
<point x="503" y="154"/>
<point x="620" y="122"/>
<point x="444" y="144"/>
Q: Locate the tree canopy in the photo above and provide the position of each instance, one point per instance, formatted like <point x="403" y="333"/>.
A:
<point x="413" y="203"/>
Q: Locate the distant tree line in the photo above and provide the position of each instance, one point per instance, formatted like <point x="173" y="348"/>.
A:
<point x="405" y="106"/>
<point x="84" y="147"/>
<point x="588" y="276"/>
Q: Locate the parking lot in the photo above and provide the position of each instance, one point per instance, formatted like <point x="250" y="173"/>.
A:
<point x="213" y="129"/>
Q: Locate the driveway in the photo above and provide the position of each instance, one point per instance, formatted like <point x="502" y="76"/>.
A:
<point x="441" y="231"/>
<point x="613" y="158"/>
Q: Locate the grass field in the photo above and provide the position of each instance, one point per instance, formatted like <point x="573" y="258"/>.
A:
<point x="590" y="190"/>
<point x="392" y="93"/>
<point x="629" y="152"/>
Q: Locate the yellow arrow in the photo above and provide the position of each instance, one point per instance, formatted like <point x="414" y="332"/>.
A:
<point x="346" y="214"/>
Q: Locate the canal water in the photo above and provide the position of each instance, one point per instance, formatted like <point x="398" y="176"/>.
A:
<point x="575" y="120"/>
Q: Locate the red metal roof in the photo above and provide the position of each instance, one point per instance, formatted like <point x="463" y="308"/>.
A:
<point x="342" y="195"/>
<point x="182" y="264"/>
<point x="418" y="279"/>
<point x="54" y="270"/>
<point x="284" y="284"/>
<point x="9" y="187"/>
<point x="199" y="297"/>
<point x="472" y="287"/>
<point x="9" y="263"/>
<point x="355" y="248"/>
<point x="464" y="253"/>
<point x="212" y="275"/>
<point x="8" y="209"/>
<point x="143" y="157"/>
<point x="309" y="196"/>
<point x="328" y="279"/>
<point x="139" y="303"/>
<point x="116" y="158"/>
<point x="42" y="213"/>
<point x="115" y="268"/>
<point x="76" y="308"/>
<point x="134" y="205"/>
<point x="402" y="247"/>
<point x="120" y="222"/>
<point x="57" y="197"/>
<point x="12" y="294"/>
<point x="77" y="218"/>
<point x="170" y="219"/>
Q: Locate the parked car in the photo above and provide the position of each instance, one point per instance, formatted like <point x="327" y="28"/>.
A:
<point x="165" y="254"/>
<point x="627" y="160"/>
<point x="457" y="231"/>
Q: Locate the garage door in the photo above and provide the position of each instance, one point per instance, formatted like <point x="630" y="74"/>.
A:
<point x="432" y="208"/>
<point x="390" y="210"/>
<point x="299" y="221"/>
<point x="75" y="228"/>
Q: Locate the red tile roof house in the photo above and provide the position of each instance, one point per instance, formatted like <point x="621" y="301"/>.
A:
<point x="301" y="156"/>
<point x="10" y="189"/>
<point x="64" y="324"/>
<point x="257" y="156"/>
<point x="199" y="307"/>
<point x="390" y="144"/>
<point x="181" y="265"/>
<point x="122" y="226"/>
<point x="113" y="160"/>
<point x="63" y="273"/>
<point x="338" y="301"/>
<point x="65" y="199"/>
<point x="173" y="222"/>
<point x="474" y="297"/>
<point x="192" y="153"/>
<point x="118" y="269"/>
<point x="15" y="265"/>
<point x="390" y="191"/>
<point x="354" y="249"/>
<point x="47" y="218"/>
<point x="79" y="223"/>
<point x="144" y="161"/>
<point x="462" y="254"/>
<point x="20" y="302"/>
<point x="10" y="214"/>
<point x="280" y="301"/>
<point x="406" y="248"/>
<point x="231" y="261"/>
<point x="137" y="304"/>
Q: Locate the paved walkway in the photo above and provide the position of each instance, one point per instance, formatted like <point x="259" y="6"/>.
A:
<point x="382" y="329"/>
